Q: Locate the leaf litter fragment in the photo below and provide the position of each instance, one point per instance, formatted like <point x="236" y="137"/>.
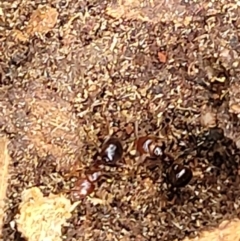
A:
<point x="162" y="57"/>
<point x="41" y="218"/>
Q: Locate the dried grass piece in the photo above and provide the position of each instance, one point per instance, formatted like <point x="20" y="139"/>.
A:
<point x="41" y="218"/>
<point x="20" y="36"/>
<point x="226" y="231"/>
<point x="42" y="20"/>
<point x="55" y="131"/>
<point x="152" y="11"/>
<point x="208" y="117"/>
<point x="234" y="103"/>
<point x="162" y="57"/>
<point x="4" y="162"/>
<point x="104" y="198"/>
<point x="235" y="108"/>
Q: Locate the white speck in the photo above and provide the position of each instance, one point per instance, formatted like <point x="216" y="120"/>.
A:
<point x="181" y="173"/>
<point x="13" y="225"/>
<point x="110" y="151"/>
<point x="85" y="186"/>
<point x="146" y="145"/>
<point x="83" y="192"/>
<point x="158" y="151"/>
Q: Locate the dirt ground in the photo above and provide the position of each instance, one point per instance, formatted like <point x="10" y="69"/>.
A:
<point x="74" y="72"/>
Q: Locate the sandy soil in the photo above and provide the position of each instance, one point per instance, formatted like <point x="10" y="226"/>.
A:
<point x="72" y="73"/>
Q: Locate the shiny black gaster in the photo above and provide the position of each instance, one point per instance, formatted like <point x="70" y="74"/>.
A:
<point x="179" y="175"/>
<point x="112" y="151"/>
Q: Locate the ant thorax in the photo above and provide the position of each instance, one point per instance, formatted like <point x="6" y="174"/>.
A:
<point x="93" y="177"/>
<point x="84" y="187"/>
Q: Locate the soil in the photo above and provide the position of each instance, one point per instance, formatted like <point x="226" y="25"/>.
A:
<point x="73" y="73"/>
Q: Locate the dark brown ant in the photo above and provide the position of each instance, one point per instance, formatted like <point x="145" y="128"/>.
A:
<point x="179" y="175"/>
<point x="85" y="186"/>
<point x="111" y="151"/>
<point x="150" y="146"/>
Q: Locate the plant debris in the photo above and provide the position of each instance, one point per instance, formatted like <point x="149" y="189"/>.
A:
<point x="4" y="163"/>
<point x="41" y="218"/>
<point x="41" y="22"/>
<point x="227" y="231"/>
<point x="162" y="57"/>
<point x="75" y="73"/>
